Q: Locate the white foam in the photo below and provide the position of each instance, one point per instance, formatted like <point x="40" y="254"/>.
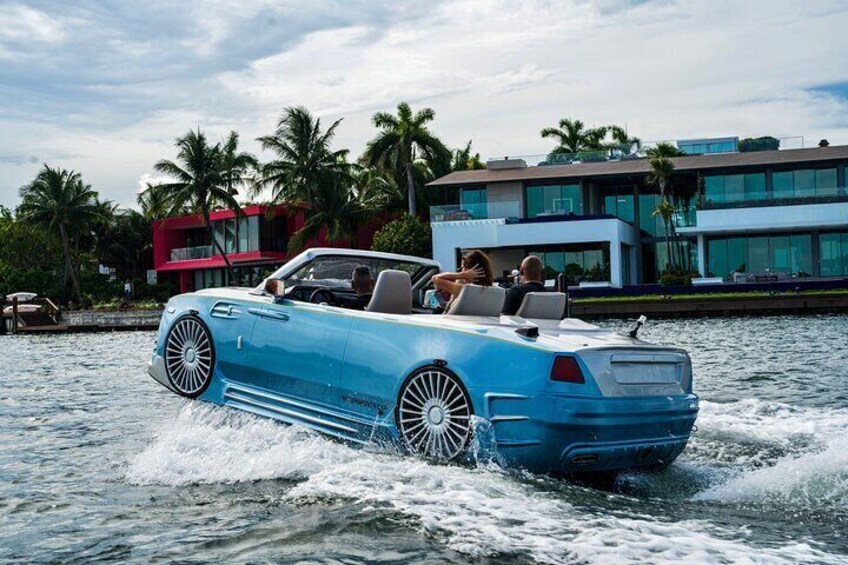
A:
<point x="789" y="457"/>
<point x="480" y="512"/>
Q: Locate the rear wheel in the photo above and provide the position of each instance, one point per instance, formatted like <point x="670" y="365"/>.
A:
<point x="434" y="414"/>
<point x="189" y="357"/>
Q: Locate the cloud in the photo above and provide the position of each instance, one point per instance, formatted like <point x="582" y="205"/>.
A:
<point x="106" y="88"/>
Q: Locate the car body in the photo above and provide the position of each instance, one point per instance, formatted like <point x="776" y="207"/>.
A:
<point x="552" y="395"/>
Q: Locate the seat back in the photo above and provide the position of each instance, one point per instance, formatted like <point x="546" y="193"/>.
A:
<point x="392" y="293"/>
<point x="476" y="300"/>
<point x="543" y="306"/>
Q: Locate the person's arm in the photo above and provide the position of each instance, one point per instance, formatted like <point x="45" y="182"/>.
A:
<point x="448" y="281"/>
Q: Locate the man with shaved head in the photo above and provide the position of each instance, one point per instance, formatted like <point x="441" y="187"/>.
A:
<point x="531" y="281"/>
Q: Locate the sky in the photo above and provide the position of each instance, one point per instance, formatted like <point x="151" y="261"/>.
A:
<point x="105" y="88"/>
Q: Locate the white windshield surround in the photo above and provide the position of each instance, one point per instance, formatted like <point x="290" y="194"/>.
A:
<point x="333" y="267"/>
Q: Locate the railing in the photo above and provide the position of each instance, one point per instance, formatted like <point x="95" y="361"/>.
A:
<point x="191" y="253"/>
<point x="820" y="196"/>
<point x="481" y="211"/>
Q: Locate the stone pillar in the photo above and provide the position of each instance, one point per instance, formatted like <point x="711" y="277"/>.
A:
<point x="702" y="255"/>
<point x="615" y="264"/>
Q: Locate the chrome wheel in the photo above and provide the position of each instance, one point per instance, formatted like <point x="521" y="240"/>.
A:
<point x="189" y="357"/>
<point x="434" y="414"/>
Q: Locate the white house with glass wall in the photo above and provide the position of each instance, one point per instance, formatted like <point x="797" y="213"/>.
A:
<point x="781" y="214"/>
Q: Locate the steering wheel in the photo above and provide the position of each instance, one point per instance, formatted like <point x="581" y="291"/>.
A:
<point x="328" y="296"/>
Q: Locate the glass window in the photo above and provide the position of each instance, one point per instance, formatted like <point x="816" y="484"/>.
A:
<point x="620" y="205"/>
<point x="734" y="188"/>
<point x="780" y="260"/>
<point x="649" y="223"/>
<point x="243" y="235"/>
<point x="758" y="254"/>
<point x="571" y="199"/>
<point x="535" y="203"/>
<point x="714" y="188"/>
<point x="783" y="184"/>
<point x="473" y="201"/>
<point x="755" y="186"/>
<point x="718" y="258"/>
<point x="801" y="250"/>
<point x="826" y="182"/>
<point x="253" y="237"/>
<point x="554" y="199"/>
<point x="830" y="245"/>
<point x="805" y="183"/>
<point x="737" y="255"/>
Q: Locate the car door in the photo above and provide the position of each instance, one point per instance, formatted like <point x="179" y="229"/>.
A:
<point x="297" y="350"/>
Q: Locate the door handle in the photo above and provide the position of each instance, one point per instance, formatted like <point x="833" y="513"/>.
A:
<point x="224" y="310"/>
<point x="270" y="314"/>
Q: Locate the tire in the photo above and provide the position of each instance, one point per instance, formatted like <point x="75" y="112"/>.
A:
<point x="434" y="414"/>
<point x="189" y="357"/>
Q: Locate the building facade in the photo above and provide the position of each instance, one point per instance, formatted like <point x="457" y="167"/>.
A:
<point x="256" y="243"/>
<point x="777" y="214"/>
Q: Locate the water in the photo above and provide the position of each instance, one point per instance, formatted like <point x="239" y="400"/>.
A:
<point x="100" y="463"/>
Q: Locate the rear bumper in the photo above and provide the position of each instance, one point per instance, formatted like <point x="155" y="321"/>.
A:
<point x="579" y="434"/>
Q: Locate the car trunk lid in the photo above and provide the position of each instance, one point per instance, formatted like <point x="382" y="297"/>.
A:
<point x="639" y="370"/>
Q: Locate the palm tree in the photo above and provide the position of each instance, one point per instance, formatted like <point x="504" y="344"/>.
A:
<point x="665" y="150"/>
<point x="621" y="140"/>
<point x="304" y="158"/>
<point x="666" y="210"/>
<point x="402" y="138"/>
<point x="58" y="200"/>
<point x="463" y="160"/>
<point x="153" y="202"/>
<point x="660" y="174"/>
<point x="199" y="183"/>
<point x="336" y="208"/>
<point x="573" y="137"/>
<point x="236" y="165"/>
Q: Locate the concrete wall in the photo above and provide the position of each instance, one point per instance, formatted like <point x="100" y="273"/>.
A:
<point x="121" y="318"/>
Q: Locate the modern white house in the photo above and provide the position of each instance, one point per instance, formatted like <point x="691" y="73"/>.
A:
<point x="783" y="213"/>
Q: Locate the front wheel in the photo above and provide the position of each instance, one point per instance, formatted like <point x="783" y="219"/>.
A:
<point x="189" y="357"/>
<point x="434" y="414"/>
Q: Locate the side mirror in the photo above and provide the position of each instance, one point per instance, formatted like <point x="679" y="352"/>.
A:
<point x="275" y="287"/>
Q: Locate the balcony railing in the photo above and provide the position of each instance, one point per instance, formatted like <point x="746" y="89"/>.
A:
<point x="191" y="253"/>
<point x="823" y="196"/>
<point x="481" y="211"/>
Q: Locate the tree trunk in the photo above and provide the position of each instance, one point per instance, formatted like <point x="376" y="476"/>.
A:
<point x="217" y="244"/>
<point x="410" y="189"/>
<point x="69" y="268"/>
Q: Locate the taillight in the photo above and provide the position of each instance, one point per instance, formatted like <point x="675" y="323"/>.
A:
<point x="567" y="370"/>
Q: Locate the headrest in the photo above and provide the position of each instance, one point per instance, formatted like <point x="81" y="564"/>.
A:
<point x="392" y="293"/>
<point x="543" y="306"/>
<point x="476" y="300"/>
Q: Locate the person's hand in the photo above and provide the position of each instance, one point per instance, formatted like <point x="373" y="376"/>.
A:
<point x="473" y="273"/>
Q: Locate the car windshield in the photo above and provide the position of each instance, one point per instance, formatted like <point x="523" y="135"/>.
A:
<point x="336" y="271"/>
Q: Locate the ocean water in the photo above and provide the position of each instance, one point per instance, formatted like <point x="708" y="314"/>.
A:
<point x="100" y="463"/>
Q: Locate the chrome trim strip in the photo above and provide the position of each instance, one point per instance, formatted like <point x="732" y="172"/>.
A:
<point x="303" y="405"/>
<point x="290" y="413"/>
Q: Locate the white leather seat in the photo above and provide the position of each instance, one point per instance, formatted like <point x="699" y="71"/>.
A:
<point x="543" y="306"/>
<point x="392" y="293"/>
<point x="476" y="300"/>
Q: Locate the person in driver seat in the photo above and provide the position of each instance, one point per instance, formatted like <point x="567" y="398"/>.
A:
<point x="363" y="286"/>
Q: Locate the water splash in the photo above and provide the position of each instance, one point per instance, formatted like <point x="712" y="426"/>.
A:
<point x="480" y="511"/>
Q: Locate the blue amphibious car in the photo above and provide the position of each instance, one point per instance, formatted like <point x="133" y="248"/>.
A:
<point x="554" y="395"/>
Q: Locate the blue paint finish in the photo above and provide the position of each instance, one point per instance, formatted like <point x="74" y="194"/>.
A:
<point x="340" y="372"/>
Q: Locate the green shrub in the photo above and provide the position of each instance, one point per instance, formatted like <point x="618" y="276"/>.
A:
<point x="406" y="236"/>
